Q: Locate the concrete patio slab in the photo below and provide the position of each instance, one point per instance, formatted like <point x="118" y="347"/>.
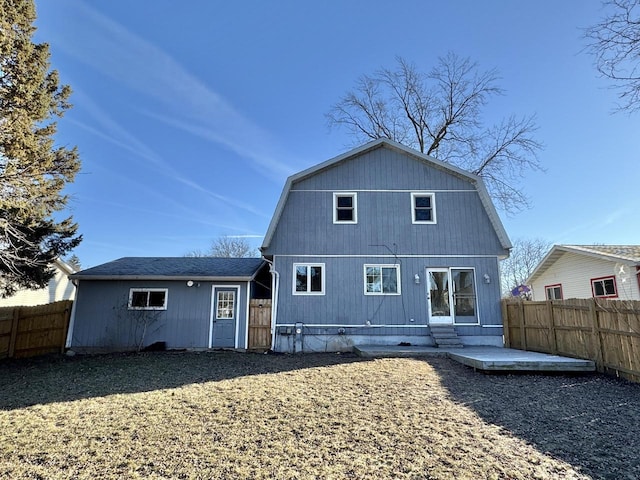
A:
<point x="485" y="358"/>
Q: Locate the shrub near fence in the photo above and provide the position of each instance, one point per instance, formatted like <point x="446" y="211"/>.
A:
<point x="31" y="331"/>
<point x="605" y="331"/>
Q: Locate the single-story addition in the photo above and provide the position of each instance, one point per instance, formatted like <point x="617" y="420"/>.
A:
<point x="185" y="302"/>
<point x="588" y="271"/>
<point x="385" y="245"/>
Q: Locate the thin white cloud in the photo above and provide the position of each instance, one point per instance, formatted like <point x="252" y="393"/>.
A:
<point x="112" y="132"/>
<point x="597" y="227"/>
<point x="189" y="104"/>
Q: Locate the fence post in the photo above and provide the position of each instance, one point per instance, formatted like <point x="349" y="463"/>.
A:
<point x="523" y="328"/>
<point x="14" y="331"/>
<point x="505" y="324"/>
<point x="552" y="327"/>
<point x="595" y="332"/>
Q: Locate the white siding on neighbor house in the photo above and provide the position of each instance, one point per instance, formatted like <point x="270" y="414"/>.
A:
<point x="574" y="272"/>
<point x="59" y="288"/>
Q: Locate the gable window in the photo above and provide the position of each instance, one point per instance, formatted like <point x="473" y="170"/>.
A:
<point x="604" y="287"/>
<point x="148" y="299"/>
<point x="553" y="292"/>
<point x="308" y="279"/>
<point x="345" y="208"/>
<point x="423" y="207"/>
<point x="382" y="279"/>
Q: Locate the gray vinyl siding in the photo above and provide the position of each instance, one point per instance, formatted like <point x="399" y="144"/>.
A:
<point x="383" y="180"/>
<point x="384" y="220"/>
<point x="102" y="319"/>
<point x="379" y="169"/>
<point x="345" y="304"/>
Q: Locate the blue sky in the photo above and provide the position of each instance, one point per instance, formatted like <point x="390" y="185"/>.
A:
<point x="189" y="116"/>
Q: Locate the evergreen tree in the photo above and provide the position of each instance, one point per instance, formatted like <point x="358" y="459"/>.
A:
<point x="33" y="171"/>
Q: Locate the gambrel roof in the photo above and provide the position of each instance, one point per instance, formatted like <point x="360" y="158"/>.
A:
<point x="174" y="268"/>
<point x="386" y="143"/>
<point x="628" y="254"/>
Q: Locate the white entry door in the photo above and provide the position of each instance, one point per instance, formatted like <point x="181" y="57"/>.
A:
<point x="439" y="296"/>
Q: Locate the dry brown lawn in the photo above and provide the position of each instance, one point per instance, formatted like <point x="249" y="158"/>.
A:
<point x="235" y="416"/>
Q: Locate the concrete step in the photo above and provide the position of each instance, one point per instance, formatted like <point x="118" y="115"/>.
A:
<point x="445" y="336"/>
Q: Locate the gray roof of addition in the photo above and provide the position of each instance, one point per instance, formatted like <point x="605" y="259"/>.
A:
<point x="174" y="268"/>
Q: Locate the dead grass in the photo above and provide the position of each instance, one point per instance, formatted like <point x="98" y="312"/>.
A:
<point x="226" y="415"/>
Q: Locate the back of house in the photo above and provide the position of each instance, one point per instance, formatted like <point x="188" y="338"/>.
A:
<point x="384" y="245"/>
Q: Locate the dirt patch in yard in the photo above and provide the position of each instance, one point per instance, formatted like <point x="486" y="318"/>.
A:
<point x="227" y="415"/>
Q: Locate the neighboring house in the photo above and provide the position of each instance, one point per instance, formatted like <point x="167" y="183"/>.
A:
<point x="588" y="271"/>
<point x="378" y="246"/>
<point x="59" y="288"/>
<point x="186" y="302"/>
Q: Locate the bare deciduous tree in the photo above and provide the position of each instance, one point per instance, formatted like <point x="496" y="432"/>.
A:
<point x="524" y="258"/>
<point x="615" y="44"/>
<point x="227" y="246"/>
<point x="440" y="113"/>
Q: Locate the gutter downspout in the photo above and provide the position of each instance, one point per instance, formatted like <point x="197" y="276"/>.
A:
<point x="275" y="288"/>
<point x="72" y="320"/>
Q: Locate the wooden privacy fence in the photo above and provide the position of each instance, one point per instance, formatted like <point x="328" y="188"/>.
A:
<point x="31" y="331"/>
<point x="605" y="331"/>
<point x="259" y="324"/>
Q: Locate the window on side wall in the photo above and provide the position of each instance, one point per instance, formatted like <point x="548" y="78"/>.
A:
<point x="148" y="299"/>
<point x="423" y="207"/>
<point x="604" y="287"/>
<point x="345" y="208"/>
<point x="308" y="279"/>
<point x="553" y="292"/>
<point x="382" y="279"/>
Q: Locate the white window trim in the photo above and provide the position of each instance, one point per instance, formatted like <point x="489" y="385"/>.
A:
<point x="382" y="265"/>
<point x="433" y="208"/>
<point x="552" y="287"/>
<point x="308" y="265"/>
<point x="166" y="298"/>
<point x="353" y="195"/>
<point x="218" y="304"/>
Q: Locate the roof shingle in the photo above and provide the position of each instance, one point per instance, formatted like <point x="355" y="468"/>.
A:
<point x="174" y="267"/>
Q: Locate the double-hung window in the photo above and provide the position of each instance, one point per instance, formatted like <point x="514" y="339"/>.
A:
<point x="553" y="292"/>
<point x="423" y="207"/>
<point x="382" y="279"/>
<point x="308" y="279"/>
<point x="148" y="299"/>
<point x="604" y="287"/>
<point x="345" y="207"/>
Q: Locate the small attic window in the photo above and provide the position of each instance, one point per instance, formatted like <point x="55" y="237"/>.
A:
<point x="345" y="207"/>
<point x="423" y="207"/>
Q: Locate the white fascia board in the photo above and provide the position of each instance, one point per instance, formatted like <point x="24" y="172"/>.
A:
<point x="490" y="208"/>
<point x="64" y="267"/>
<point x="549" y="259"/>
<point x="195" y="278"/>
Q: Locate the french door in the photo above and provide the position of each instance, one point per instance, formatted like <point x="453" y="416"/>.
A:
<point x="451" y="296"/>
